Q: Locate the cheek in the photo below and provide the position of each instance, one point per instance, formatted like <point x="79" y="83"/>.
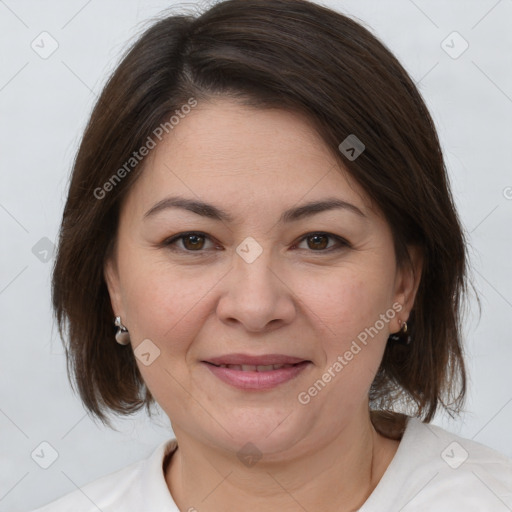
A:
<point x="352" y="343"/>
<point x="354" y="333"/>
<point x="167" y="303"/>
<point x="169" y="308"/>
<point x="350" y="303"/>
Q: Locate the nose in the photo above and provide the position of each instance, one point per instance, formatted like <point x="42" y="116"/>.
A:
<point x="256" y="295"/>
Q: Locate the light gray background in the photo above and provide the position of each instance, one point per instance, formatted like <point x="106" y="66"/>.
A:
<point x="44" y="106"/>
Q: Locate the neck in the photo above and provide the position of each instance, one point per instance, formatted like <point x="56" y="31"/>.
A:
<point x="337" y="473"/>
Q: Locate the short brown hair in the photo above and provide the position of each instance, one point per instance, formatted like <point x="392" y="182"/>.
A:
<point x="286" y="54"/>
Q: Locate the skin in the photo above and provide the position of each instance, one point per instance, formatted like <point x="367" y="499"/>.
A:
<point x="297" y="298"/>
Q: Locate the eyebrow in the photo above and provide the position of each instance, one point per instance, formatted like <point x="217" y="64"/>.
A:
<point x="213" y="212"/>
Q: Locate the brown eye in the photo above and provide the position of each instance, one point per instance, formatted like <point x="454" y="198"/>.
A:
<point x="193" y="242"/>
<point x="319" y="242"/>
<point x="190" y="242"/>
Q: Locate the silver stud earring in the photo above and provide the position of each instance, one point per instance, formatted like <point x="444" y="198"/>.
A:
<point x="122" y="335"/>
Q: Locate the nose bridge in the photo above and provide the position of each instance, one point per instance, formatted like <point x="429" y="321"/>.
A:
<point x="256" y="295"/>
<point x="253" y="265"/>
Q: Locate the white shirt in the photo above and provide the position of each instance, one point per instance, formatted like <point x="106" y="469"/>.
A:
<point x="433" y="470"/>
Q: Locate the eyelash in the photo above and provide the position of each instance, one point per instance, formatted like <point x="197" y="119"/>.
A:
<point x="170" y="242"/>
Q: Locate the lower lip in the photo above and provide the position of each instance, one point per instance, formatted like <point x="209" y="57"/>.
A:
<point x="257" y="380"/>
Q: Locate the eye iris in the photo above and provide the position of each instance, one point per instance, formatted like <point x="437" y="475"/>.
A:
<point x="316" y="237"/>
<point x="195" y="243"/>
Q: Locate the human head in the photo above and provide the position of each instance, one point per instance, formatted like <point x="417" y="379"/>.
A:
<point x="316" y="63"/>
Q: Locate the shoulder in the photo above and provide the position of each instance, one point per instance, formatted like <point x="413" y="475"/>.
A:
<point x="100" y="494"/>
<point x="449" y="472"/>
<point x="435" y="470"/>
<point x="124" y="490"/>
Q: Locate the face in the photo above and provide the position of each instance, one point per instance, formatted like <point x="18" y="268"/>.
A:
<point x="319" y="285"/>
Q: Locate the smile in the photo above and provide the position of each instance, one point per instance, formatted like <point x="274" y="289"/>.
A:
<point x="253" y="368"/>
<point x="256" y="377"/>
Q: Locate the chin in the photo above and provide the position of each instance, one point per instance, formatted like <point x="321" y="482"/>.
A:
<point x="264" y="431"/>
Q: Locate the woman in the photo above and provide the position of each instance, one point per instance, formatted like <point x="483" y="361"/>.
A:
<point x="260" y="236"/>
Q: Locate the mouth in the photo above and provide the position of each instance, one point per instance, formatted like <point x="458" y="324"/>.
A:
<point x="256" y="373"/>
<point x="257" y="361"/>
<point x="254" y="368"/>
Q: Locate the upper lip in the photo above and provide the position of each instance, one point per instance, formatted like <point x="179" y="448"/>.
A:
<point x="246" y="359"/>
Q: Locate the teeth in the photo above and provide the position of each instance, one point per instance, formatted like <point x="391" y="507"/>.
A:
<point x="253" y="368"/>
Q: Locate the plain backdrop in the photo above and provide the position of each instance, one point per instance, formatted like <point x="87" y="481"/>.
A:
<point x="44" y="105"/>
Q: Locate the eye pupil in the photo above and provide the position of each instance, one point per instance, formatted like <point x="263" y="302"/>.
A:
<point x="197" y="240"/>
<point x="316" y="237"/>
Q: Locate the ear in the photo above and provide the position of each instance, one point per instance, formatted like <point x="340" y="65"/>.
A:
<point x="111" y="275"/>
<point x="407" y="282"/>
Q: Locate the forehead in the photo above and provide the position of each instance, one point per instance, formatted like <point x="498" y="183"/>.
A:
<point x="240" y="154"/>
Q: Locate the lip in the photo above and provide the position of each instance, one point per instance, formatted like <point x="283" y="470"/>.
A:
<point x="254" y="380"/>
<point x="247" y="359"/>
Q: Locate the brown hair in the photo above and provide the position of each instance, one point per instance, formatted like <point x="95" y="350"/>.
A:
<point x="285" y="54"/>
